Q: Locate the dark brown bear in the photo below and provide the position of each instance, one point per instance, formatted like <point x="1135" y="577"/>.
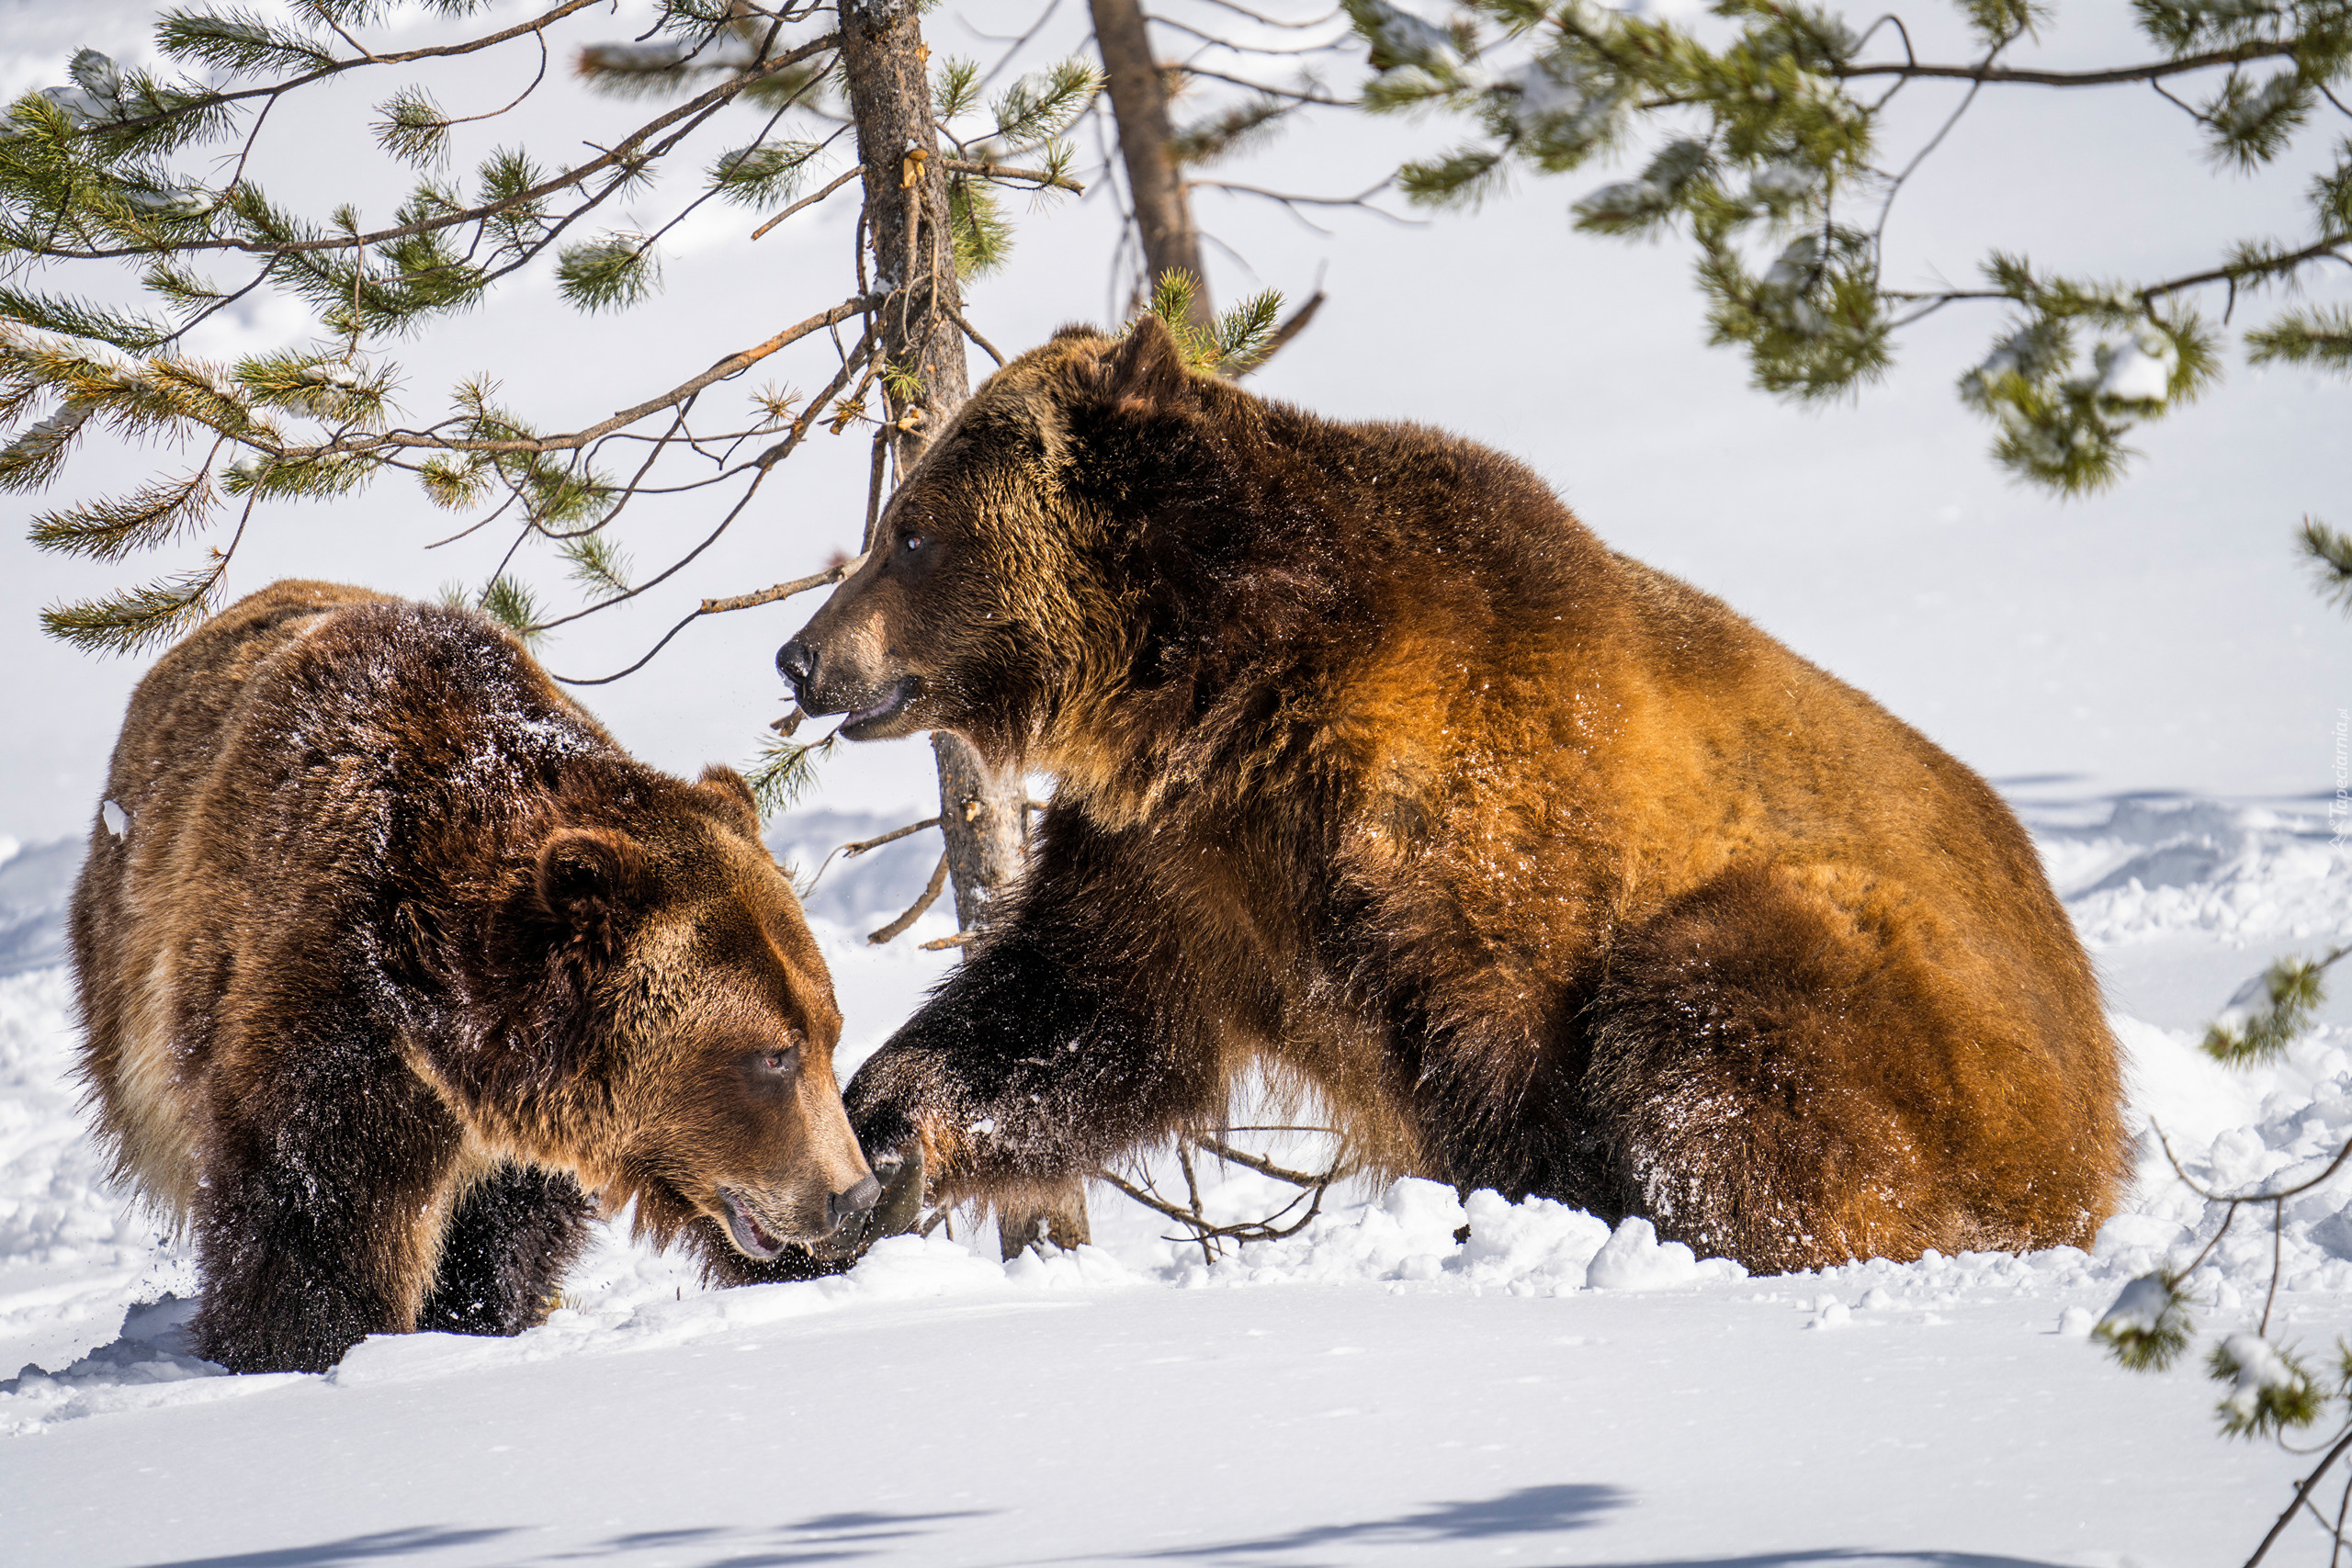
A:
<point x="1549" y="872"/>
<point x="394" y="966"/>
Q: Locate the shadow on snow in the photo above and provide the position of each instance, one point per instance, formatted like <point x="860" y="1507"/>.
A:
<point x="827" y="1538"/>
<point x="1540" y="1511"/>
<point x="1531" y="1510"/>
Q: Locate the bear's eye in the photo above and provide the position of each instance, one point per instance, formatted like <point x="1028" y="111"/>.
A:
<point x="912" y="543"/>
<point x="782" y="1062"/>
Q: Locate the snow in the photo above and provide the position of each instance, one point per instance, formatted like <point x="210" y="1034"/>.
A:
<point x="2139" y="371"/>
<point x="1413" y="1376"/>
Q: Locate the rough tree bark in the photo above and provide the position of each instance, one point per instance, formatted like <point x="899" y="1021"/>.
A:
<point x="1172" y="242"/>
<point x="886" y="70"/>
<point x="885" y="67"/>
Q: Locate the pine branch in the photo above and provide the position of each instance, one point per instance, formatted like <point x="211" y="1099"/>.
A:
<point x="109" y="530"/>
<point x="539" y="24"/>
<point x="624" y="156"/>
<point x="139" y="617"/>
<point x="2330" y="554"/>
<point x="784" y="773"/>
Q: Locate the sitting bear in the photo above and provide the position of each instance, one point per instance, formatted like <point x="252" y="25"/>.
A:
<point x="394" y="968"/>
<point x="1543" y="870"/>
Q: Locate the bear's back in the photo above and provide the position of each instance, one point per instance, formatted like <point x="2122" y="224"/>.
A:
<point x="272" y="770"/>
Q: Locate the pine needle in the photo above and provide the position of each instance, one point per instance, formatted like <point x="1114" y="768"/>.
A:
<point x="784" y="773"/>
<point x="135" y="619"/>
<point x="2329" y="550"/>
<point x="512" y="605"/>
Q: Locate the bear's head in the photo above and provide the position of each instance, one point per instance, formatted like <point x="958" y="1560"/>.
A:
<point x="1050" y="571"/>
<point x="670" y="1025"/>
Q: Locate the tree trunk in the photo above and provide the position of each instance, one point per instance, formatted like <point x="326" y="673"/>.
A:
<point x="885" y="69"/>
<point x="884" y="66"/>
<point x="1139" y="103"/>
<point x="979" y="816"/>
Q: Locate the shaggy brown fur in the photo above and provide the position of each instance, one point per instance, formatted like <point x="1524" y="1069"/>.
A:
<point x="392" y="963"/>
<point x="1550" y="873"/>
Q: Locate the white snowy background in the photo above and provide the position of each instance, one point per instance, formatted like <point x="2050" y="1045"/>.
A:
<point x="2145" y="674"/>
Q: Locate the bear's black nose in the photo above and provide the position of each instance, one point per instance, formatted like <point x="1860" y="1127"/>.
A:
<point x="853" y="1206"/>
<point x="797" y="662"/>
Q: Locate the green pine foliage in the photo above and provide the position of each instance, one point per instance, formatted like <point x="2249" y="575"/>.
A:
<point x="2315" y="335"/>
<point x="611" y="272"/>
<point x="513" y="605"/>
<point x="109" y="530"/>
<point x="2148" y="1327"/>
<point x="763" y="174"/>
<point x="2329" y="551"/>
<point x="783" y="772"/>
<point x="150" y="174"/>
<point x="2271" y="1392"/>
<point x="981" y="229"/>
<point x="598" y="565"/>
<point x="2270" y="1011"/>
<point x="1230" y="131"/>
<point x="1229" y="345"/>
<point x="1760" y="145"/>
<point x="413" y="129"/>
<point x="136" y="618"/>
<point x="1026" y="125"/>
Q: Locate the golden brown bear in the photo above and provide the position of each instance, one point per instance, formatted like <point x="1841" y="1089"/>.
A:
<point x="1548" y="872"/>
<point x="391" y="962"/>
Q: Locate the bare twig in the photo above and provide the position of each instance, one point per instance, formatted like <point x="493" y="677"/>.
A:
<point x="1911" y="70"/>
<point x="1340" y="1170"/>
<point x="993" y="171"/>
<point x="941" y="943"/>
<point x="931" y="893"/>
<point x="831" y="574"/>
<point x="850" y="852"/>
<point x="1295" y="95"/>
<point x="2302" y="1493"/>
<point x="832" y="185"/>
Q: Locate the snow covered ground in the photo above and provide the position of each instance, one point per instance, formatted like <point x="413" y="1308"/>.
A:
<point x="1367" y="1391"/>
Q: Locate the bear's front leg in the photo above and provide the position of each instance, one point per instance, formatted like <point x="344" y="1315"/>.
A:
<point x="1034" y="1063"/>
<point x="504" y="1256"/>
<point x="319" y="1223"/>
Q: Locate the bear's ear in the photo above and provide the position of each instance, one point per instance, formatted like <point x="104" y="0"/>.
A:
<point x="727" y="785"/>
<point x="1145" y="368"/>
<point x="591" y="880"/>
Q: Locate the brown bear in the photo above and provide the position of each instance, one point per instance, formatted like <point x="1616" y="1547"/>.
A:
<point x="1545" y="871"/>
<point x="394" y="966"/>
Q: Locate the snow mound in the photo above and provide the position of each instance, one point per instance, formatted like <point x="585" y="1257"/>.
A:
<point x="1635" y="1259"/>
<point x="1421" y="1233"/>
<point x="2167" y="865"/>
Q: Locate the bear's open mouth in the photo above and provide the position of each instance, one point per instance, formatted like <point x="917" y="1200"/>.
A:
<point x="750" y="1237"/>
<point x="892" y="703"/>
